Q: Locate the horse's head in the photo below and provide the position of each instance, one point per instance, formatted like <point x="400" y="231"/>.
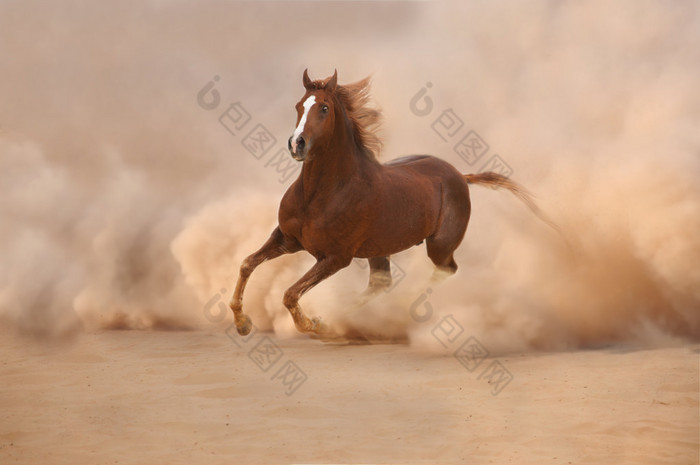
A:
<point x="315" y="116"/>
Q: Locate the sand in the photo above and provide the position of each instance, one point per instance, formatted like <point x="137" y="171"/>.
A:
<point x="201" y="397"/>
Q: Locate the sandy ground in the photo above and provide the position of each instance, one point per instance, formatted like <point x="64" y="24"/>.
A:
<point x="202" y="397"/>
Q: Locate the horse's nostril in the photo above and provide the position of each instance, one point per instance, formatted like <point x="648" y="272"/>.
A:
<point x="289" y="143"/>
<point x="300" y="143"/>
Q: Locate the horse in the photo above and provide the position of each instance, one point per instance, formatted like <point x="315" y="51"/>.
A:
<point x="345" y="204"/>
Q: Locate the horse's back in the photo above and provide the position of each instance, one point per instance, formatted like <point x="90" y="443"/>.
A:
<point x="427" y="165"/>
<point x="407" y="159"/>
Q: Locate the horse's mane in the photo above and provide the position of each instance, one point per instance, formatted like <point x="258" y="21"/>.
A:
<point x="365" y="121"/>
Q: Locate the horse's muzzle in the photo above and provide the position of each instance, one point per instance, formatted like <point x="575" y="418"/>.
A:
<point x="297" y="148"/>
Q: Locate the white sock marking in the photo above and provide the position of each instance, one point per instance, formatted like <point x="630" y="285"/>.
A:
<point x="297" y="132"/>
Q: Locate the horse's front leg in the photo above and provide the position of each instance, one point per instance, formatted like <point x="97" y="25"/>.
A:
<point x="323" y="269"/>
<point x="278" y="244"/>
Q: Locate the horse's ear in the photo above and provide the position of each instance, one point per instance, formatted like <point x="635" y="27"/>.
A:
<point x="332" y="82"/>
<point x="306" y="80"/>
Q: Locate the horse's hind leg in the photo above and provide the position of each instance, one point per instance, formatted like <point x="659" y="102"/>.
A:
<point x="323" y="268"/>
<point x="379" y="274"/>
<point x="442" y="255"/>
<point x="379" y="278"/>
<point x="444" y="242"/>
<point x="275" y="246"/>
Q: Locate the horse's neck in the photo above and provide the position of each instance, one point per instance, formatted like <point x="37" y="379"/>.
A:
<point x="327" y="172"/>
<point x="331" y="169"/>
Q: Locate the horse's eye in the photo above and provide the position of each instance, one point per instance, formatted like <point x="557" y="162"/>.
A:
<point x="324" y="109"/>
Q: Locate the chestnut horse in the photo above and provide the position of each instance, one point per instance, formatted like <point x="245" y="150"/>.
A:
<point x="345" y="204"/>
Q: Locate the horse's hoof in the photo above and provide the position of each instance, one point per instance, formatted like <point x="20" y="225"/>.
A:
<point x="315" y="324"/>
<point x="319" y="327"/>
<point x="244" y="325"/>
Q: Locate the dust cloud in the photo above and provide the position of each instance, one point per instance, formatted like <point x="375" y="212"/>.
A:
<point x="131" y="194"/>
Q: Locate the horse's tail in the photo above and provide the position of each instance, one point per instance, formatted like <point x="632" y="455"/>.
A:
<point x="498" y="181"/>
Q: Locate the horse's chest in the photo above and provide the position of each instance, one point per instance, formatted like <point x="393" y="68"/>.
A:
<point x="322" y="232"/>
<point x="325" y="230"/>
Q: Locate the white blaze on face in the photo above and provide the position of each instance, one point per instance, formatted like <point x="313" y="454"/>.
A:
<point x="300" y="128"/>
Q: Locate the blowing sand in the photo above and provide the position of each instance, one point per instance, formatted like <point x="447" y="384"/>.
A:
<point x="130" y="195"/>
<point x="196" y="397"/>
